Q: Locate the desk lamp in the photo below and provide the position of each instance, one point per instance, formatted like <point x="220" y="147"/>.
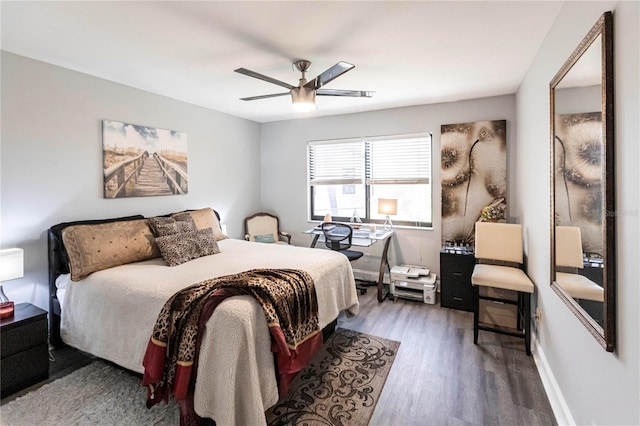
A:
<point x="11" y="267"/>
<point x="388" y="206"/>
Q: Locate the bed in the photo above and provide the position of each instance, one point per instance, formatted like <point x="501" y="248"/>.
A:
<point x="110" y="313"/>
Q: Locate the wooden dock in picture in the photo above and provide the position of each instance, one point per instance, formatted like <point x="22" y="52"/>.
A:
<point x="145" y="176"/>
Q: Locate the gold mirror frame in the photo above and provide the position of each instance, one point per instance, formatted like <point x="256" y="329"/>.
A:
<point x="602" y="328"/>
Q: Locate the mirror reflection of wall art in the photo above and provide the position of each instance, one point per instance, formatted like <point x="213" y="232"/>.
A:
<point x="578" y="180"/>
<point x="474" y="177"/>
<point x="142" y="161"/>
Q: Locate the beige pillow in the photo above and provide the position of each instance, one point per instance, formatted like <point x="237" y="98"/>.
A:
<point x="202" y="219"/>
<point x="93" y="248"/>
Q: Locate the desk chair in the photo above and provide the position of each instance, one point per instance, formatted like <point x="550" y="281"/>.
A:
<point x="499" y="258"/>
<point x="569" y="255"/>
<point x="338" y="237"/>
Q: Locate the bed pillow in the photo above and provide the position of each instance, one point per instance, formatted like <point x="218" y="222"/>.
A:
<point x="179" y="240"/>
<point x="202" y="219"/>
<point x="161" y="226"/>
<point x="182" y="247"/>
<point x="93" y="248"/>
<point x="267" y="238"/>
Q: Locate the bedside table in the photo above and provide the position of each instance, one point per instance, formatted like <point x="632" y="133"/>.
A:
<point x="24" y="348"/>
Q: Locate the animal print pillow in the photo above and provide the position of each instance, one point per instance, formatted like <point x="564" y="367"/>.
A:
<point x="161" y="226"/>
<point x="181" y="247"/>
<point x="202" y="219"/>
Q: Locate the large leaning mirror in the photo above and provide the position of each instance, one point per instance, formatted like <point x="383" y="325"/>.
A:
<point x="582" y="183"/>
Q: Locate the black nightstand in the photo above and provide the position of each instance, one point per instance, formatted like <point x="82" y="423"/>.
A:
<point x="456" y="267"/>
<point x="24" y="348"/>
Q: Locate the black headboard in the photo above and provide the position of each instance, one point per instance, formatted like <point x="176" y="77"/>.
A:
<point x="59" y="264"/>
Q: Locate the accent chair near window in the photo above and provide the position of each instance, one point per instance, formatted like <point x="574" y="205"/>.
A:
<point x="265" y="228"/>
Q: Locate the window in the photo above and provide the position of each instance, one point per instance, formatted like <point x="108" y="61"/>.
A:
<point x="347" y="177"/>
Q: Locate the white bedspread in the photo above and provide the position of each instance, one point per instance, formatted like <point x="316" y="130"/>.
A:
<point x="111" y="314"/>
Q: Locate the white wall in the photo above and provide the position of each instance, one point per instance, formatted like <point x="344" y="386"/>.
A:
<point x="51" y="159"/>
<point x="51" y="164"/>
<point x="284" y="168"/>
<point x="598" y="387"/>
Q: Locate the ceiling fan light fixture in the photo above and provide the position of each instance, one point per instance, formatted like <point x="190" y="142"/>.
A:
<point x="303" y="96"/>
<point x="303" y="99"/>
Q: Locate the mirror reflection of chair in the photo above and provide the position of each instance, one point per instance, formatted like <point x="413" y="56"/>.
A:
<point x="499" y="259"/>
<point x="338" y="237"/>
<point x="569" y="255"/>
<point x="265" y="228"/>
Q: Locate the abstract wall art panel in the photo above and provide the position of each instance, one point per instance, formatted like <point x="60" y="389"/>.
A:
<point x="474" y="177"/>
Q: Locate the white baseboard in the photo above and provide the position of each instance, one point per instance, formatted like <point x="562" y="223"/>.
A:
<point x="554" y="393"/>
<point x="364" y="275"/>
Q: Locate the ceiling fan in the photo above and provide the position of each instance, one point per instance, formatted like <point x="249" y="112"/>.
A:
<point x="303" y="96"/>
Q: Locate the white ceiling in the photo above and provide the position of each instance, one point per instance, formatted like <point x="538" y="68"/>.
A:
<point x="409" y="53"/>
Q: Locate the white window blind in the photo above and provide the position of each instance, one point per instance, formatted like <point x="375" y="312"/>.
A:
<point x="339" y="162"/>
<point x="352" y="175"/>
<point x="401" y="160"/>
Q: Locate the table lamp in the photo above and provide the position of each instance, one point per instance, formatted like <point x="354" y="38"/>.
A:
<point x="388" y="206"/>
<point x="11" y="267"/>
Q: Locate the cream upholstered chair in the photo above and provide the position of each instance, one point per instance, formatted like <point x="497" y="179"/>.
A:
<point x="265" y="228"/>
<point x="569" y="255"/>
<point x="499" y="259"/>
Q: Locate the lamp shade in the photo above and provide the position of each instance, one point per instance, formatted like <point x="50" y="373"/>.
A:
<point x="11" y="264"/>
<point x="303" y="99"/>
<point x="388" y="206"/>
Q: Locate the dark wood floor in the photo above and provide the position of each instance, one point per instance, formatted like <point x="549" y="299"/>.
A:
<point x="439" y="376"/>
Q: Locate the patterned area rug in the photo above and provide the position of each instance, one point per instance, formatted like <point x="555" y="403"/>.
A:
<point x="341" y="385"/>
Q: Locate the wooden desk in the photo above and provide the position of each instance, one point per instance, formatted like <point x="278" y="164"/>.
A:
<point x="366" y="238"/>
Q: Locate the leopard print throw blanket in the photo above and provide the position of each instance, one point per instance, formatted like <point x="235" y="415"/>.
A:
<point x="289" y="301"/>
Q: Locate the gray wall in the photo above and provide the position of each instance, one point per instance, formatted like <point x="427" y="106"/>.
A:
<point x="598" y="387"/>
<point x="51" y="159"/>
<point x="51" y="165"/>
<point x="284" y="168"/>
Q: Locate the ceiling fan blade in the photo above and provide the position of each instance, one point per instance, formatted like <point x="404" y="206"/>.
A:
<point x="254" y="98"/>
<point x="338" y="92"/>
<point x="334" y="72"/>
<point x="263" y="77"/>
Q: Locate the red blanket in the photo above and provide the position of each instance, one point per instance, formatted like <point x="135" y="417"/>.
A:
<point x="289" y="301"/>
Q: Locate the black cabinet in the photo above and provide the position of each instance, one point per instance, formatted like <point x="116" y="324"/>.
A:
<point x="456" y="268"/>
<point x="24" y="348"/>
